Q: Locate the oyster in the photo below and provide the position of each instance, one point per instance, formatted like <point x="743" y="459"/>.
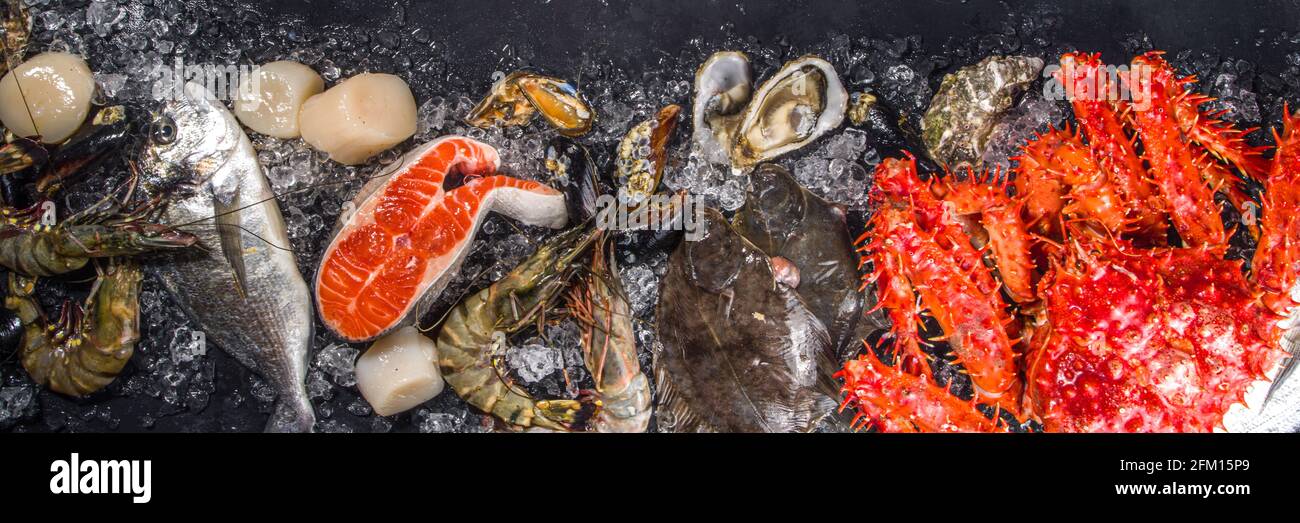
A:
<point x="723" y="87"/>
<point x="640" y="156"/>
<point x="969" y="103"/>
<point x="802" y="102"/>
<point x="801" y="230"/>
<point x="794" y="107"/>
<point x="520" y="96"/>
<point x="741" y="351"/>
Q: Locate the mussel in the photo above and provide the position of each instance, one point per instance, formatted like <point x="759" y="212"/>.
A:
<point x="570" y="166"/>
<point x="801" y="102"/>
<point x="860" y="107"/>
<point x="641" y="156"/>
<point x="741" y="351"/>
<point x="518" y="97"/>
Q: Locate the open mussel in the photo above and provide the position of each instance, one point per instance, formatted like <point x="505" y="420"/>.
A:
<point x="860" y="105"/>
<point x="648" y="220"/>
<point x="801" y="102"/>
<point x="520" y="96"/>
<point x="641" y="156"/>
<point x="504" y="105"/>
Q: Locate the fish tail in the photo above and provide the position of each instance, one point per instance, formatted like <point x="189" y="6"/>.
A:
<point x="292" y="414"/>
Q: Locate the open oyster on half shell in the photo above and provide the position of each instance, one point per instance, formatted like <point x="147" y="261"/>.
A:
<point x="800" y="103"/>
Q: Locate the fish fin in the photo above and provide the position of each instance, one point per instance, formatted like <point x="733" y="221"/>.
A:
<point x="672" y="412"/>
<point x="827" y="366"/>
<point x="232" y="244"/>
<point x="291" y="415"/>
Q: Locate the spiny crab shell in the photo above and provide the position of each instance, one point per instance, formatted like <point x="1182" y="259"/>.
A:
<point x="1148" y="340"/>
<point x="1117" y="326"/>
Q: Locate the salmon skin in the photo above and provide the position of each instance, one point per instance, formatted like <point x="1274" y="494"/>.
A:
<point x="408" y="236"/>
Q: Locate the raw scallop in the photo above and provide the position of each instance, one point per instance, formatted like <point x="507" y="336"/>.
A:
<point x="359" y="118"/>
<point x="55" y="94"/>
<point x="272" y="96"/>
<point x="399" y="371"/>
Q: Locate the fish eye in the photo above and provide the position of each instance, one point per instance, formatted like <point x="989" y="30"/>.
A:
<point x="162" y="130"/>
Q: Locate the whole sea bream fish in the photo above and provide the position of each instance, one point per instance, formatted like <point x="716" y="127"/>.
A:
<point x="243" y="290"/>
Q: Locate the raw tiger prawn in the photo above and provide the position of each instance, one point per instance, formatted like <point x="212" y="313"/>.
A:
<point x="85" y="348"/>
<point x="473" y="332"/>
<point x="31" y="245"/>
<point x="601" y="308"/>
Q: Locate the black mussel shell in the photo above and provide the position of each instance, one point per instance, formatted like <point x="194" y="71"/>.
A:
<point x="893" y="135"/>
<point x="571" y="164"/>
<point x="96" y="140"/>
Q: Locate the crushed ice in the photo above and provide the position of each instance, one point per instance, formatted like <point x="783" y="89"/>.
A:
<point x="172" y="376"/>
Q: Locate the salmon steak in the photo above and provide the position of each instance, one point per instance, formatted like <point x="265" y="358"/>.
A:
<point x="409" y="235"/>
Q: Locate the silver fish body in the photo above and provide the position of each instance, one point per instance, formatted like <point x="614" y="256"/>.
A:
<point x="244" y="290"/>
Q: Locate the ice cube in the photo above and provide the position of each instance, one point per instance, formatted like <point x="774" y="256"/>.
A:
<point x="339" y="361"/>
<point x="533" y="362"/>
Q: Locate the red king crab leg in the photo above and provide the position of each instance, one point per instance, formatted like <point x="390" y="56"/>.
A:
<point x="931" y="253"/>
<point x="1277" y="258"/>
<point x="1062" y="157"/>
<point x="1173" y="167"/>
<point x="1112" y="148"/>
<point x="891" y="400"/>
<point x="1001" y="218"/>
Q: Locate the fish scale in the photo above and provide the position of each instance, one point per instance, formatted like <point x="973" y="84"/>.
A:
<point x="268" y="326"/>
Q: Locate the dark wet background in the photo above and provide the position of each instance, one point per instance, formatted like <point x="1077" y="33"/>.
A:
<point x="471" y="39"/>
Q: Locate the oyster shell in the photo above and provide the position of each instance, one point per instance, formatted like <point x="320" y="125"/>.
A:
<point x="724" y="85"/>
<point x="803" y="101"/>
<point x="794" y="107"/>
<point x="969" y="103"/>
<point x="520" y="96"/>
